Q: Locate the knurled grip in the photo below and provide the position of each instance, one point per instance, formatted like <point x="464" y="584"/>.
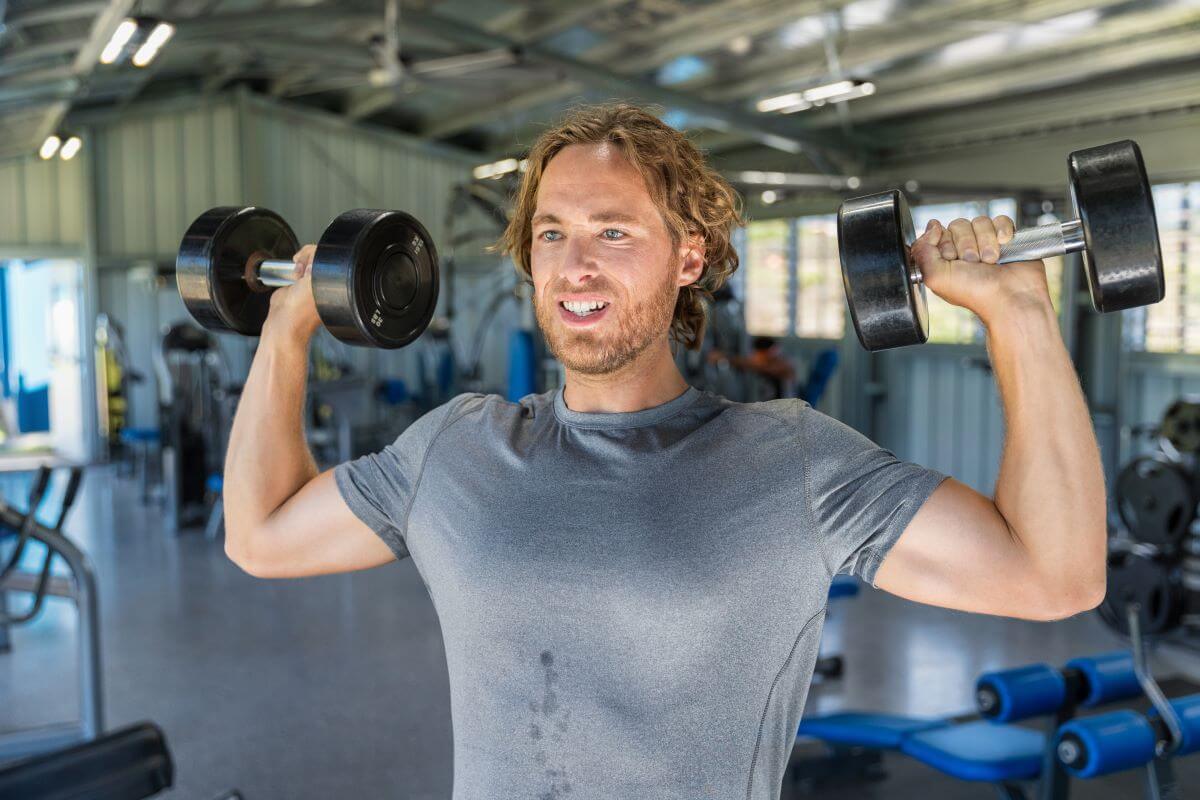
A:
<point x="1044" y="241"/>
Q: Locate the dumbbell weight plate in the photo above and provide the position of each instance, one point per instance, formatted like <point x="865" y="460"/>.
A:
<point x="1135" y="577"/>
<point x="875" y="233"/>
<point x="1155" y="501"/>
<point x="211" y="266"/>
<point x="375" y="278"/>
<point x="1112" y="199"/>
<point x="1181" y="425"/>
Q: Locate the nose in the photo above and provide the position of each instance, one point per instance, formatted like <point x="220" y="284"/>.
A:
<point x="579" y="263"/>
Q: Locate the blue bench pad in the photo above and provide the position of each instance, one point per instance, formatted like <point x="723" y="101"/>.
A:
<point x="857" y="729"/>
<point x="979" y="751"/>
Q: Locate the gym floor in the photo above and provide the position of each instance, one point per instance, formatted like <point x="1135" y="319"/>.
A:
<point x="336" y="686"/>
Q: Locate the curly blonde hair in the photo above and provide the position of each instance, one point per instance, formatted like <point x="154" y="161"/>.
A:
<point x="694" y="199"/>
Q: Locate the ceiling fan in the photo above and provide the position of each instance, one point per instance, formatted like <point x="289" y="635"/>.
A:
<point x="396" y="70"/>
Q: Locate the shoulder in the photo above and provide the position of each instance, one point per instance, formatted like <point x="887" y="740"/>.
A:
<point x="479" y="408"/>
<point x="789" y="412"/>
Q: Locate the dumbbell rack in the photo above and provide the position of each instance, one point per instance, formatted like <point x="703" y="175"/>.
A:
<point x="1156" y="560"/>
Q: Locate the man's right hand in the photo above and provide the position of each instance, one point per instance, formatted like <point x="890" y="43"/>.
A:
<point x="293" y="311"/>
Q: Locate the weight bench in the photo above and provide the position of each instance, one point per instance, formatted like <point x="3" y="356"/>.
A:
<point x="990" y="750"/>
<point x="964" y="748"/>
<point x="132" y="763"/>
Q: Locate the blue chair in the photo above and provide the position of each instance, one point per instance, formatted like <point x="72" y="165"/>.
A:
<point x="141" y="442"/>
<point x="214" y="485"/>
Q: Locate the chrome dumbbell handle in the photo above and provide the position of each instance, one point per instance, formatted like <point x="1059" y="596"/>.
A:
<point x="276" y="272"/>
<point x="1044" y="241"/>
<point x="1031" y="244"/>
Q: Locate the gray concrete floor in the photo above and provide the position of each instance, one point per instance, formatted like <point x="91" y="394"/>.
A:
<point x="336" y="686"/>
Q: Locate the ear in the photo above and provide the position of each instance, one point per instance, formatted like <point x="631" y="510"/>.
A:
<point x="691" y="260"/>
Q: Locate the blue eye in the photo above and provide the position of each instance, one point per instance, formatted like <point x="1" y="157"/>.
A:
<point x="618" y="233"/>
<point x="545" y="235"/>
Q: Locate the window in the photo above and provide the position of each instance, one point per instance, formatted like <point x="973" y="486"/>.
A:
<point x="820" y="296"/>
<point x="767" y="272"/>
<point x="1173" y="326"/>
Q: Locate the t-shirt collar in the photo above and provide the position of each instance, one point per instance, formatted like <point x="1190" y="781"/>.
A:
<point x="622" y="419"/>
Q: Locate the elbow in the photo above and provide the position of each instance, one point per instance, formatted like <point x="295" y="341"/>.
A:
<point x="1069" y="598"/>
<point x="238" y="550"/>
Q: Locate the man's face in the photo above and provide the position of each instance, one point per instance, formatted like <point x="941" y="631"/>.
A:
<point x="605" y="275"/>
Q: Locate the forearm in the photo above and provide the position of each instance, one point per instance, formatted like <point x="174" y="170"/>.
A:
<point x="268" y="459"/>
<point x="1051" y="485"/>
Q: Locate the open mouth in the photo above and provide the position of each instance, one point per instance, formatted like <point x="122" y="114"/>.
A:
<point x="582" y="313"/>
<point x="583" y="308"/>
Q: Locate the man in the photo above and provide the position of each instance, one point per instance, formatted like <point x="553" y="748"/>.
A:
<point x="630" y="574"/>
<point x="766" y="364"/>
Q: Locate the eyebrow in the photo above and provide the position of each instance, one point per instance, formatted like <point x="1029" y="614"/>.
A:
<point x="600" y="216"/>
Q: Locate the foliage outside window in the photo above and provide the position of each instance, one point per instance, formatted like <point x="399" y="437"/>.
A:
<point x="1173" y="326"/>
<point x="767" y="267"/>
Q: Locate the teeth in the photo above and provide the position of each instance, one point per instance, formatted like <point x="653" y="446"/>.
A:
<point x="583" y="308"/>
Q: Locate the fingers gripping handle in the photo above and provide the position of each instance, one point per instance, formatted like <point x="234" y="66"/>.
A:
<point x="1044" y="241"/>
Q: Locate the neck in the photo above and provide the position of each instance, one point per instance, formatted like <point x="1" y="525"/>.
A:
<point x="649" y="380"/>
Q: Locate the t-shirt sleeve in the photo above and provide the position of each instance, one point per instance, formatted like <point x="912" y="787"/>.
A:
<point x="379" y="487"/>
<point x="861" y="496"/>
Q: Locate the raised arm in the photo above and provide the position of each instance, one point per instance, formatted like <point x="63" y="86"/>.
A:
<point x="282" y="519"/>
<point x="1037" y="549"/>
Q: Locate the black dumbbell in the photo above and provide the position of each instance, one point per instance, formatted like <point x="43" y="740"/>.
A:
<point x="374" y="275"/>
<point x="1115" y="228"/>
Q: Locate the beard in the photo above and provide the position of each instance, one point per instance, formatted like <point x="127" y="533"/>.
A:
<point x="638" y="324"/>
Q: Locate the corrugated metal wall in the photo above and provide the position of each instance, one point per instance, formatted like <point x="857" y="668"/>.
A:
<point x="159" y="168"/>
<point x="42" y="202"/>
<point x="310" y="167"/>
<point x="943" y="411"/>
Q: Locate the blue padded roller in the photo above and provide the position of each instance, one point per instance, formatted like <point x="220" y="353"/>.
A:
<point x="1109" y="677"/>
<point x="854" y="729"/>
<point x="1108" y="743"/>
<point x="1015" y="694"/>
<point x="1188" y="709"/>
<point x="979" y="751"/>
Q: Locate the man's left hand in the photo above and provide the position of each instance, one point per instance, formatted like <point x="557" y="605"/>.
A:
<point x="959" y="265"/>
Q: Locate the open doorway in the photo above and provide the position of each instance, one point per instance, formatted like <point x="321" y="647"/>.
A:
<point x="44" y="404"/>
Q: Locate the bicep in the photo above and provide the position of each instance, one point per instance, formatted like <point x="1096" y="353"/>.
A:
<point x="958" y="552"/>
<point x="315" y="533"/>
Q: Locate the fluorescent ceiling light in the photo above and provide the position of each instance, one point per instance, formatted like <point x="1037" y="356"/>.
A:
<point x="795" y="180"/>
<point x="49" y="147"/>
<point x="780" y="101"/>
<point x="158" y="37"/>
<point x="828" y="90"/>
<point x="117" y="42"/>
<point x="836" y="92"/>
<point x="70" y="148"/>
<point x="498" y="168"/>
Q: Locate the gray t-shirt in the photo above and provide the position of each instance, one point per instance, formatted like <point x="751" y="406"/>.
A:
<point x="631" y="603"/>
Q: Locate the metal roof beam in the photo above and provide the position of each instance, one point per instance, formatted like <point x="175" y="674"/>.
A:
<point x="1022" y="74"/>
<point x="702" y="29"/>
<point x="55" y="12"/>
<point x="480" y="113"/>
<point x="923" y="30"/>
<point x="765" y="131"/>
